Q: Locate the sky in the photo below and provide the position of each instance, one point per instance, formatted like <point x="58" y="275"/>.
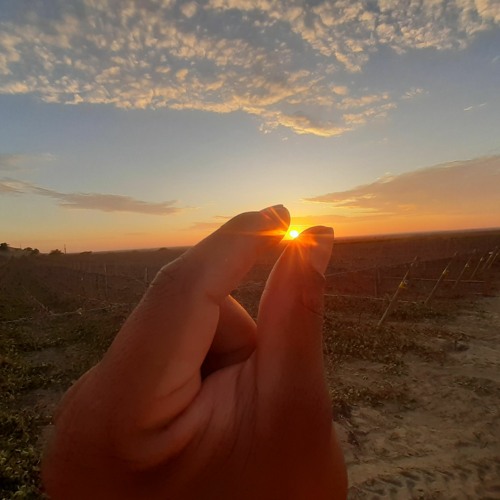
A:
<point x="148" y="123"/>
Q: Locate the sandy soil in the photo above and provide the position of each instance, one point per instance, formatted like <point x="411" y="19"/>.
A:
<point x="444" y="444"/>
<point x="416" y="405"/>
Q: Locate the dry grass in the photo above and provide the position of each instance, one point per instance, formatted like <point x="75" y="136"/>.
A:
<point x="38" y="362"/>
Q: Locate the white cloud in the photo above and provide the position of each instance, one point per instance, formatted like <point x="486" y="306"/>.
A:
<point x="301" y="123"/>
<point x="488" y="9"/>
<point x="280" y="60"/>
<point x="465" y="187"/>
<point x="473" y="108"/>
<point x="91" y="201"/>
<point x="189" y="9"/>
<point x="413" y="92"/>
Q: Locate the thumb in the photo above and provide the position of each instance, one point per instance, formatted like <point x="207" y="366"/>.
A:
<point x="289" y="325"/>
<point x="292" y="393"/>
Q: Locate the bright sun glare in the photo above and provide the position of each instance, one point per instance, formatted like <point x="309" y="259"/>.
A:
<point x="293" y="234"/>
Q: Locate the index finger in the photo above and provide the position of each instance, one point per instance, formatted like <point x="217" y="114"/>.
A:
<point x="157" y="355"/>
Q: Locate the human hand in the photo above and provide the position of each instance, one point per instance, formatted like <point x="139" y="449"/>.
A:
<point x="196" y="400"/>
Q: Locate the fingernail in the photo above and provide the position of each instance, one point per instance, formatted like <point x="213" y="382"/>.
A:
<point x="272" y="209"/>
<point x="320" y="244"/>
<point x="278" y="213"/>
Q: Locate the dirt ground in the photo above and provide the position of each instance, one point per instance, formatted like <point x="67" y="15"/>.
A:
<point x="416" y="402"/>
<point x="443" y="442"/>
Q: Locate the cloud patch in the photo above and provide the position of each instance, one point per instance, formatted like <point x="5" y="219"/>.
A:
<point x="464" y="187"/>
<point x="7" y="187"/>
<point x="91" y="201"/>
<point x="210" y="225"/>
<point x="478" y="106"/>
<point x="285" y="61"/>
<point x="10" y="162"/>
<point x="18" y="162"/>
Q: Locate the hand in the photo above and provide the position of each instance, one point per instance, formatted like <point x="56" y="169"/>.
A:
<point x="196" y="400"/>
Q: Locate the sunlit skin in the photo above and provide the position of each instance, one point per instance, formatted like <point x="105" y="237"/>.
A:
<point x="196" y="400"/>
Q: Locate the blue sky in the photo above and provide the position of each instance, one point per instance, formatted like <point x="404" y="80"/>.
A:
<point x="131" y="124"/>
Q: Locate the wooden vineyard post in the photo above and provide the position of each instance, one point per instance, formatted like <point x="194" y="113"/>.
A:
<point x="487" y="272"/>
<point x="445" y="272"/>
<point x="403" y="285"/>
<point x="476" y="269"/>
<point x="146" y="280"/>
<point x="495" y="255"/>
<point x="490" y="260"/>
<point x="462" y="272"/>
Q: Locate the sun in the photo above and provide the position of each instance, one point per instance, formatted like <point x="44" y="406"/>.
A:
<point x="293" y="232"/>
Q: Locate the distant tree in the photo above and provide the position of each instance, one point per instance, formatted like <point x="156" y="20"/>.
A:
<point x="4" y="247"/>
<point x="32" y="251"/>
<point x="55" y="252"/>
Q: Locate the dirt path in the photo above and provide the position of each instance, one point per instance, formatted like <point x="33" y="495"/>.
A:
<point x="445" y="444"/>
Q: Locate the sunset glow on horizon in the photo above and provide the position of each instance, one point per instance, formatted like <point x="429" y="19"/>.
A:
<point x="129" y="126"/>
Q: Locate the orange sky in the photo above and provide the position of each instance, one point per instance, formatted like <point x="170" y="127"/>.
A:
<point x="149" y="124"/>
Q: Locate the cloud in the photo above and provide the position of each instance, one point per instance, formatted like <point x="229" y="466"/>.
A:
<point x="478" y="106"/>
<point x="413" y="92"/>
<point x="205" y="226"/>
<point x="284" y="61"/>
<point x="11" y="162"/>
<point x="465" y="187"/>
<point x="7" y="187"/>
<point x="91" y="201"/>
<point x="18" y="162"/>
<point x="302" y="123"/>
<point x="210" y="225"/>
<point x="189" y="9"/>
